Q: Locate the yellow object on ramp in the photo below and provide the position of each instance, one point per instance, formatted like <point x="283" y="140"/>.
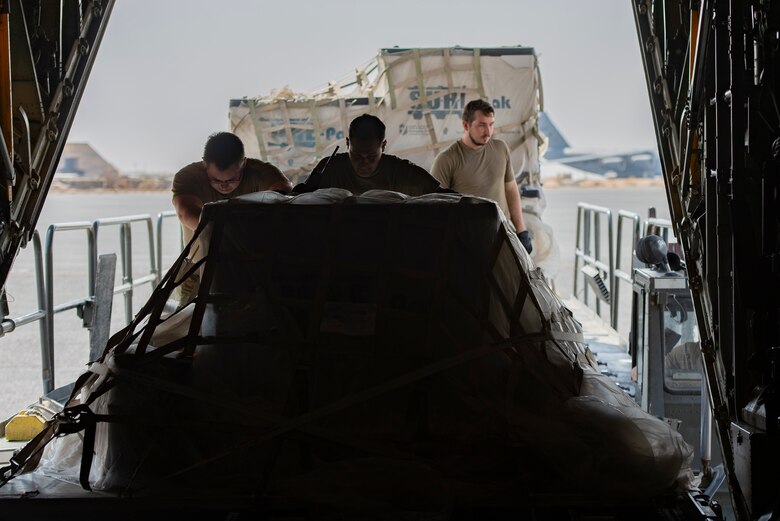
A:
<point x="24" y="426"/>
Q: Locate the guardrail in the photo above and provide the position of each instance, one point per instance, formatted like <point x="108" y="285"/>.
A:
<point x="622" y="275"/>
<point x="588" y="253"/>
<point x="126" y="256"/>
<point x="47" y="348"/>
<point x="9" y="325"/>
<point x="44" y="276"/>
<point x="587" y="249"/>
<point x="658" y="226"/>
<point x="161" y="217"/>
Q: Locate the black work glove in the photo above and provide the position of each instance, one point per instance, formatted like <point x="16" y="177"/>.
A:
<point x="525" y="239"/>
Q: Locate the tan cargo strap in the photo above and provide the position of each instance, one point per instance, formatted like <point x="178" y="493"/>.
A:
<point x="233" y="127"/>
<point x="371" y="103"/>
<point x="315" y="125"/>
<point x="528" y="126"/>
<point x="431" y="130"/>
<point x="365" y="83"/>
<point x="478" y="73"/>
<point x="540" y="90"/>
<point x="448" y="70"/>
<point x="423" y="99"/>
<point x="287" y="128"/>
<point x="418" y="75"/>
<point x="344" y="119"/>
<point x="258" y="129"/>
<point x="388" y="72"/>
<point x="419" y="79"/>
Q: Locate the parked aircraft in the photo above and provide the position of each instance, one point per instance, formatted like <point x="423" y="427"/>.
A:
<point x="562" y="158"/>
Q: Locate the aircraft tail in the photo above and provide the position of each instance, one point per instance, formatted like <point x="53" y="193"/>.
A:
<point x="556" y="143"/>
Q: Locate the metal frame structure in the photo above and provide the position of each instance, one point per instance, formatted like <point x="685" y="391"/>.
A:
<point x="713" y="76"/>
<point x="605" y="276"/>
<point x="47" y="49"/>
<point x="44" y="259"/>
<point x="587" y="256"/>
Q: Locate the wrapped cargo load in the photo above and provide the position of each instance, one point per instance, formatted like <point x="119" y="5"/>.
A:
<point x="375" y="353"/>
<point x="420" y="95"/>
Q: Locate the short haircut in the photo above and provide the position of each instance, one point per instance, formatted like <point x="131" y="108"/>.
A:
<point x="224" y="149"/>
<point x="477" y="105"/>
<point x="367" y="128"/>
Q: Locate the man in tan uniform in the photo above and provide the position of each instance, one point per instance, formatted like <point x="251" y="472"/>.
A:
<point x="366" y="167"/>
<point x="223" y="173"/>
<point x="481" y="166"/>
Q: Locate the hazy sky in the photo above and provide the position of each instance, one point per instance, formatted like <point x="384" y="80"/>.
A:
<point x="167" y="68"/>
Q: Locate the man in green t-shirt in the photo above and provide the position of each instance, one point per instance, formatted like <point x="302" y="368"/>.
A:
<point x="366" y="167"/>
<point x="481" y="166"/>
<point x="223" y="173"/>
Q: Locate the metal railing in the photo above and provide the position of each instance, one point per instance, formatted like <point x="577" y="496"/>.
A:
<point x="9" y="325"/>
<point x="44" y="276"/>
<point x="126" y="256"/>
<point x="620" y="273"/>
<point x="588" y="250"/>
<point x="658" y="226"/>
<point x="47" y="344"/>
<point x="40" y="315"/>
<point x="161" y="217"/>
